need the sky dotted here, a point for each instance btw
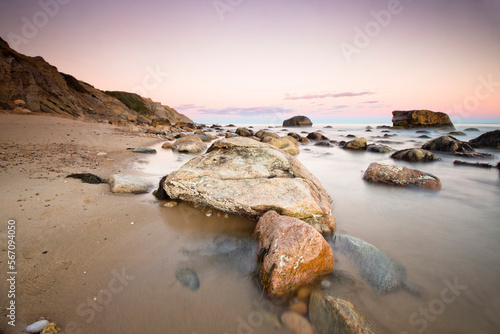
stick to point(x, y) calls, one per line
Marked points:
point(262, 61)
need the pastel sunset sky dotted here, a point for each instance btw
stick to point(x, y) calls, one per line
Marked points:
point(262, 61)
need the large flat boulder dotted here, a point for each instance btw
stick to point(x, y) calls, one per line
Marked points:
point(246, 177)
point(410, 119)
point(488, 139)
point(297, 121)
point(400, 176)
point(292, 253)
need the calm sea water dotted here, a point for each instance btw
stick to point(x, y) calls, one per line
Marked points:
point(445, 238)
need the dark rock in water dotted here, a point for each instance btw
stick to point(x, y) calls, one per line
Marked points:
point(244, 132)
point(488, 139)
point(324, 143)
point(330, 315)
point(145, 150)
point(350, 136)
point(400, 176)
point(422, 131)
point(382, 272)
point(316, 136)
point(378, 148)
point(447, 144)
point(297, 121)
point(328, 127)
point(294, 135)
point(424, 136)
point(383, 127)
point(475, 155)
point(472, 130)
point(160, 193)
point(456, 133)
point(87, 178)
point(409, 119)
point(188, 278)
point(415, 155)
point(356, 144)
point(477, 164)
point(368, 128)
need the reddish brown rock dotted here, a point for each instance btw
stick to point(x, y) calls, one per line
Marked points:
point(410, 119)
point(400, 176)
point(293, 253)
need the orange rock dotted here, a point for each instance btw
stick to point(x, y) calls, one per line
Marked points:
point(293, 253)
point(296, 323)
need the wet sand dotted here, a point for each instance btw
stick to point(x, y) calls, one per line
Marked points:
point(68, 233)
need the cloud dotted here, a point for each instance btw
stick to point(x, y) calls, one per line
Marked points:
point(187, 106)
point(370, 102)
point(235, 111)
point(325, 95)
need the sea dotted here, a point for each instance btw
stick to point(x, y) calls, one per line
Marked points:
point(448, 241)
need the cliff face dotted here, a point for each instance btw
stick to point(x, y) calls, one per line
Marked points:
point(410, 119)
point(44, 89)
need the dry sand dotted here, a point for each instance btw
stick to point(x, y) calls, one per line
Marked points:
point(65, 229)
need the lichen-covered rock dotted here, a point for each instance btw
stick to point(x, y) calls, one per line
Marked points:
point(488, 139)
point(415, 155)
point(410, 119)
point(379, 148)
point(400, 176)
point(292, 253)
point(242, 176)
point(447, 144)
point(331, 315)
point(297, 121)
point(189, 144)
point(356, 144)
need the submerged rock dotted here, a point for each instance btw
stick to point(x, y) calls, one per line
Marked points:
point(297, 121)
point(296, 323)
point(477, 164)
point(488, 139)
point(447, 144)
point(188, 278)
point(242, 176)
point(410, 119)
point(124, 183)
point(379, 148)
point(383, 273)
point(292, 253)
point(400, 176)
point(145, 150)
point(415, 155)
point(356, 144)
point(331, 315)
point(190, 144)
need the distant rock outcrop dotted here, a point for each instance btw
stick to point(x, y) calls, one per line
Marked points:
point(297, 121)
point(410, 119)
point(43, 88)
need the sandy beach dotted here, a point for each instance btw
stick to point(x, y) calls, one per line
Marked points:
point(65, 229)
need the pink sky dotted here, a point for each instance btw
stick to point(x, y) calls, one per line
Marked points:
point(258, 61)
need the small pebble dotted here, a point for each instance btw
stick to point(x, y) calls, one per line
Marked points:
point(325, 283)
